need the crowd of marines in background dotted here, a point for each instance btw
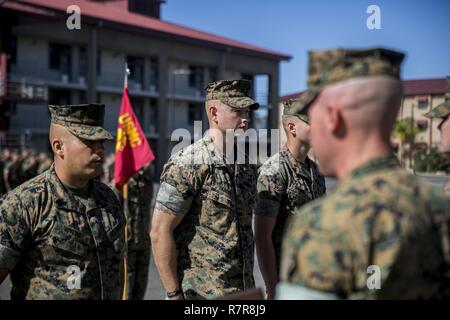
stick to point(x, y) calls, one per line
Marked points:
point(20, 165)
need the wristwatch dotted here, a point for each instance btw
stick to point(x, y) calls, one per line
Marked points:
point(172, 294)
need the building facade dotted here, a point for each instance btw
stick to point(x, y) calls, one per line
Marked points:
point(44, 62)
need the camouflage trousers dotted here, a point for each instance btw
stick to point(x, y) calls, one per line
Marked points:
point(137, 272)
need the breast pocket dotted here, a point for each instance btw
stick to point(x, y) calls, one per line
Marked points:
point(218, 212)
point(116, 237)
point(69, 242)
point(298, 195)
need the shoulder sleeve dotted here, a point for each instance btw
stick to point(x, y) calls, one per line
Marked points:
point(180, 183)
point(270, 187)
point(14, 231)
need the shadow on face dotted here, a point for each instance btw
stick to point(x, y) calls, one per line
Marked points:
point(225, 118)
point(79, 157)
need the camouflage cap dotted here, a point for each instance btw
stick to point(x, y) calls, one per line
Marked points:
point(296, 108)
point(233, 93)
point(83, 120)
point(331, 66)
point(443, 109)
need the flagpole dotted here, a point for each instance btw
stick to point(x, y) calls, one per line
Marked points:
point(127, 73)
point(126, 214)
point(125, 257)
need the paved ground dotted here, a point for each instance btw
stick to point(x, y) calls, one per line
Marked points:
point(155, 290)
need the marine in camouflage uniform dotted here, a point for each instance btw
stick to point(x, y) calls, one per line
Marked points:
point(29, 166)
point(12, 172)
point(57, 242)
point(380, 221)
point(284, 184)
point(442, 112)
point(140, 193)
point(214, 241)
point(44, 163)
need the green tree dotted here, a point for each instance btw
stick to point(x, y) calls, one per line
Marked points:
point(431, 161)
point(405, 131)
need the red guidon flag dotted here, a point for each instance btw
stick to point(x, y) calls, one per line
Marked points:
point(132, 149)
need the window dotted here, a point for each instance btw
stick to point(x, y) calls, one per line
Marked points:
point(212, 74)
point(154, 74)
point(84, 62)
point(138, 108)
point(246, 76)
point(12, 50)
point(195, 113)
point(249, 77)
point(423, 102)
point(83, 97)
point(59, 97)
point(153, 117)
point(136, 66)
point(422, 124)
point(260, 92)
point(196, 80)
point(60, 58)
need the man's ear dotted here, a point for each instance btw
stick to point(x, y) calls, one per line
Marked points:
point(292, 129)
point(212, 109)
point(58, 147)
point(335, 121)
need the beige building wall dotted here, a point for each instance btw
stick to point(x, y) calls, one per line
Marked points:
point(415, 107)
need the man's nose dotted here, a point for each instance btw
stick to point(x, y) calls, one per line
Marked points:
point(99, 147)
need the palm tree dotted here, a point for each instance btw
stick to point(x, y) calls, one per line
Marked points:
point(405, 131)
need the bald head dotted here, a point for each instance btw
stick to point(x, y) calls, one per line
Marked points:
point(367, 104)
point(351, 122)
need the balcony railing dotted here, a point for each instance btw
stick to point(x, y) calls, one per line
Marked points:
point(38, 72)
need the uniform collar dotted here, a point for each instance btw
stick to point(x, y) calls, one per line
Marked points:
point(295, 163)
point(215, 155)
point(64, 199)
point(377, 164)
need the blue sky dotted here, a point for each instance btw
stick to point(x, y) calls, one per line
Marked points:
point(421, 29)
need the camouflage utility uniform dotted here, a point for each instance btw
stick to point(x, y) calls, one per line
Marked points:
point(140, 193)
point(378, 216)
point(60, 243)
point(283, 185)
point(382, 234)
point(214, 240)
